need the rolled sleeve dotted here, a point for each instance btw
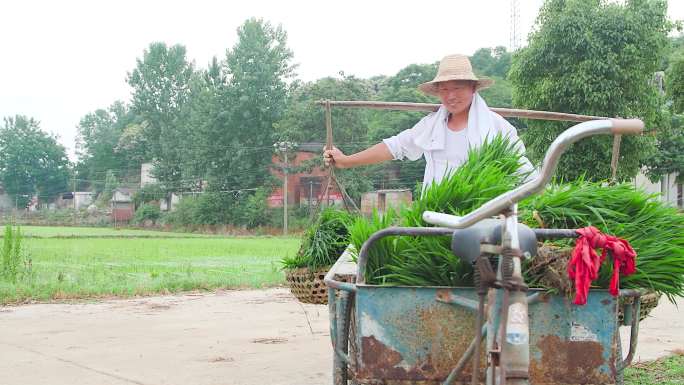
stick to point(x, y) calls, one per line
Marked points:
point(403, 146)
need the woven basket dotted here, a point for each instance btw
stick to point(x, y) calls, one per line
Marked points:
point(648, 302)
point(307, 285)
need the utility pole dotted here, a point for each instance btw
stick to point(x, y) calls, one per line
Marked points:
point(515, 26)
point(283, 149)
point(285, 195)
point(310, 194)
point(73, 196)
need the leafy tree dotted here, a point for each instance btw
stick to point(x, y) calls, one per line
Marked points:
point(110, 184)
point(99, 133)
point(230, 114)
point(492, 62)
point(148, 193)
point(412, 75)
point(669, 158)
point(592, 57)
point(161, 87)
point(500, 94)
point(32, 162)
point(133, 144)
point(208, 119)
point(675, 82)
point(238, 134)
point(495, 64)
point(304, 119)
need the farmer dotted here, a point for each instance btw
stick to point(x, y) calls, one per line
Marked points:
point(443, 137)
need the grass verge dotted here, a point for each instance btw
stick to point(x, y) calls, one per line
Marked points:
point(59, 267)
point(665, 371)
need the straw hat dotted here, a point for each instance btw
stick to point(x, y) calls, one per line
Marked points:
point(454, 67)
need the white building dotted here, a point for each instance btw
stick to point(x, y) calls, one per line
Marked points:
point(146, 174)
point(670, 192)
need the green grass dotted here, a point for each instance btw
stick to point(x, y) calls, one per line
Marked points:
point(63, 268)
point(665, 371)
point(95, 232)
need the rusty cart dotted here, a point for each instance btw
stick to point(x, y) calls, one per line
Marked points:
point(429, 335)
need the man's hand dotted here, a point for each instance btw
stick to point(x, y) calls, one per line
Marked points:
point(335, 157)
point(376, 154)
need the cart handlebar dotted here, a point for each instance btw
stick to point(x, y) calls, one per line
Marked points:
point(627, 126)
point(557, 148)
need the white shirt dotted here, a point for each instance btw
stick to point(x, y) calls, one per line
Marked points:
point(455, 151)
point(429, 138)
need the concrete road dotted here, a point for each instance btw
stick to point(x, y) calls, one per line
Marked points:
point(228, 337)
point(661, 334)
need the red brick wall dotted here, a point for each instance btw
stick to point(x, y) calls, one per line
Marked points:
point(122, 212)
point(296, 191)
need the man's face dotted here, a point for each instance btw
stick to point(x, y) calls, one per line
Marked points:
point(456, 95)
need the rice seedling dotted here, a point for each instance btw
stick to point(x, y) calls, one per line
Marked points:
point(323, 242)
point(489, 171)
point(654, 230)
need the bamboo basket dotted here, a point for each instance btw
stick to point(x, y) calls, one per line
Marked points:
point(308, 286)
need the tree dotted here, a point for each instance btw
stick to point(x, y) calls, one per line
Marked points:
point(412, 75)
point(161, 88)
point(669, 157)
point(239, 130)
point(31, 161)
point(133, 144)
point(675, 82)
point(592, 57)
point(304, 119)
point(97, 145)
point(492, 62)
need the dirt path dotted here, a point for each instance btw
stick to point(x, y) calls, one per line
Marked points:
point(229, 337)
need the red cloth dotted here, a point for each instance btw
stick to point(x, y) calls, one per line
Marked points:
point(585, 263)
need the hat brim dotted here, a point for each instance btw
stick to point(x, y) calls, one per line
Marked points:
point(430, 87)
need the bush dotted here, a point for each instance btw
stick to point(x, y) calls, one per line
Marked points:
point(147, 212)
point(184, 213)
point(254, 210)
point(298, 218)
point(219, 208)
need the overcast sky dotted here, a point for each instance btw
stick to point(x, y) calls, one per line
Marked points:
point(63, 59)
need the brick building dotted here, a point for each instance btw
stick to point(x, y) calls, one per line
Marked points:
point(304, 188)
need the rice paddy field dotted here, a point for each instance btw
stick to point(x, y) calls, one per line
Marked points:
point(71, 262)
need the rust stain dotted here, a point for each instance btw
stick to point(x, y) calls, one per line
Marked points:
point(379, 361)
point(435, 337)
point(443, 294)
point(569, 362)
point(606, 302)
